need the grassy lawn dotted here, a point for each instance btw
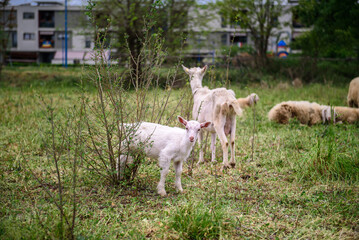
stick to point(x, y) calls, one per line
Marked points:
point(302, 182)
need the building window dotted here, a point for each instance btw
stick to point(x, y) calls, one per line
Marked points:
point(12, 43)
point(61, 36)
point(13, 39)
point(223, 20)
point(239, 40)
point(46, 39)
point(224, 39)
point(46, 19)
point(88, 42)
point(29, 36)
point(28, 15)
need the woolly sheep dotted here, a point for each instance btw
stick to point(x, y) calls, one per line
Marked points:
point(346, 115)
point(306, 112)
point(353, 93)
point(249, 101)
point(165, 144)
point(218, 106)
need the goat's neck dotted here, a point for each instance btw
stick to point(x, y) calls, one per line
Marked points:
point(196, 83)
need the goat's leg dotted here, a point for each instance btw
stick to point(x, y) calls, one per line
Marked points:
point(213, 146)
point(232, 142)
point(178, 170)
point(224, 142)
point(200, 140)
point(165, 165)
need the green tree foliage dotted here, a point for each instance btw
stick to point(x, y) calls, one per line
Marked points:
point(130, 22)
point(258, 16)
point(335, 31)
point(6, 20)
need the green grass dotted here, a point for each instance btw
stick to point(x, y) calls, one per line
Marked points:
point(301, 184)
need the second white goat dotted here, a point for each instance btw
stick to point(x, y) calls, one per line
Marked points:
point(165, 144)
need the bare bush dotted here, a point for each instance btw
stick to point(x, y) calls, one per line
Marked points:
point(125, 96)
point(58, 172)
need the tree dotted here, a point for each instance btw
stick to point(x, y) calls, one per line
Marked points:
point(131, 21)
point(260, 17)
point(335, 31)
point(6, 21)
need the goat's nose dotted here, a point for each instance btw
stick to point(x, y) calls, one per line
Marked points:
point(191, 138)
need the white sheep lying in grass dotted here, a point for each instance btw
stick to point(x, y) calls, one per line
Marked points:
point(353, 93)
point(342, 114)
point(306, 112)
point(165, 144)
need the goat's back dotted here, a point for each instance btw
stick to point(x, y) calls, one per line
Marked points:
point(152, 137)
point(207, 101)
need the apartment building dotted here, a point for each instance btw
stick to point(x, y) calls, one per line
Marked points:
point(38, 33)
point(219, 33)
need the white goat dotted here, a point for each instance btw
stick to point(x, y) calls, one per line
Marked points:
point(218, 106)
point(165, 144)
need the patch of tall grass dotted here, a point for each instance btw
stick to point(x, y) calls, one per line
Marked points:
point(197, 221)
point(329, 158)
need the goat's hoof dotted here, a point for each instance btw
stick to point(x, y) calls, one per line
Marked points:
point(233, 164)
point(180, 190)
point(162, 193)
point(224, 167)
point(200, 162)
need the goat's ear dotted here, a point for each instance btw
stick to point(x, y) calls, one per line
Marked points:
point(205, 124)
point(204, 69)
point(185, 69)
point(182, 120)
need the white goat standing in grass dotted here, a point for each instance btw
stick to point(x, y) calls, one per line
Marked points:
point(220, 107)
point(165, 144)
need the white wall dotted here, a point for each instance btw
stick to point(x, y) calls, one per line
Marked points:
point(27, 26)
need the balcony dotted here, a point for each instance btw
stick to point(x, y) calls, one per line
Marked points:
point(46, 39)
point(46, 19)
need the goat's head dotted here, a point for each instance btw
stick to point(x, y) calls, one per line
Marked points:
point(192, 128)
point(195, 73)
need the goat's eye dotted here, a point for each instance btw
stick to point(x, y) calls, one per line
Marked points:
point(199, 129)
